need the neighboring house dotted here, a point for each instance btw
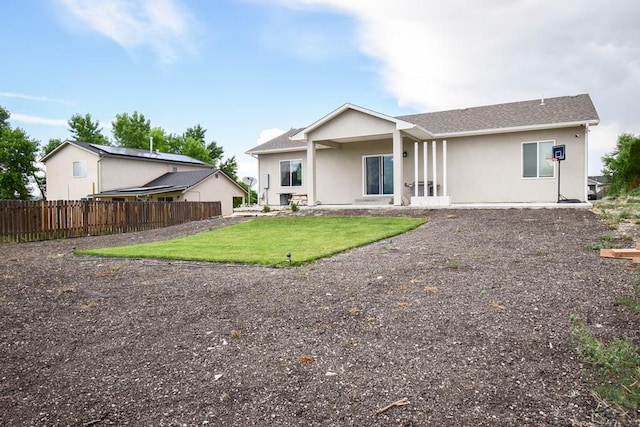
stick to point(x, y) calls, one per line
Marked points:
point(491, 154)
point(79, 170)
point(598, 185)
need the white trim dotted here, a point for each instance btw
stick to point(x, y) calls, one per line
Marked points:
point(522, 143)
point(513, 129)
point(434, 167)
point(425, 168)
point(364, 175)
point(290, 173)
point(586, 163)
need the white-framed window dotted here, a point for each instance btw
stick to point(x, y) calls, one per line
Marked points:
point(378, 174)
point(291, 173)
point(535, 159)
point(80, 169)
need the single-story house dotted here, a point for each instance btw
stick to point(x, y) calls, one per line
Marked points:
point(490, 154)
point(79, 170)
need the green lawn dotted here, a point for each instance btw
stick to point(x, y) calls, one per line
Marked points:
point(267, 240)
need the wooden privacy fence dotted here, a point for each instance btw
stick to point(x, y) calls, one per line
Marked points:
point(24, 221)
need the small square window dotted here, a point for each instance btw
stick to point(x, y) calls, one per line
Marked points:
point(80, 169)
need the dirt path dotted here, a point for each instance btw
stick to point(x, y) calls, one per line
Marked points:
point(467, 317)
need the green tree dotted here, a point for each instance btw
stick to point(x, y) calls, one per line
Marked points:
point(195, 149)
point(17, 160)
point(84, 129)
point(50, 146)
point(215, 152)
point(230, 168)
point(622, 166)
point(40, 177)
point(174, 143)
point(159, 140)
point(196, 132)
point(132, 131)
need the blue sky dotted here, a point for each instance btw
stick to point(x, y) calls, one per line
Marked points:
point(248, 69)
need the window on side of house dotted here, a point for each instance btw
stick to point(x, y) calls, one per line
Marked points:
point(378, 175)
point(165, 199)
point(80, 169)
point(291, 173)
point(535, 163)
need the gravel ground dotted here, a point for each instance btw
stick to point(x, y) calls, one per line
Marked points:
point(467, 317)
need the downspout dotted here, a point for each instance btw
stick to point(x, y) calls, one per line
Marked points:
point(99, 175)
point(586, 162)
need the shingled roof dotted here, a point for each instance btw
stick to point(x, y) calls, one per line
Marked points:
point(282, 142)
point(177, 179)
point(524, 115)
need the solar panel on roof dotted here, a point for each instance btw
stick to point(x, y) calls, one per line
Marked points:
point(133, 152)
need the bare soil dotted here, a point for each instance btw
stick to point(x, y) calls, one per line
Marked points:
point(467, 317)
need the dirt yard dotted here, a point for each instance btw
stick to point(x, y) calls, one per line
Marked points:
point(467, 317)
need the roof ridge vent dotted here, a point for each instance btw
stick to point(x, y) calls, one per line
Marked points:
point(542, 100)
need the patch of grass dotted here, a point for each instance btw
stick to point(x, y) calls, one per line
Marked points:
point(624, 214)
point(452, 263)
point(605, 242)
point(614, 367)
point(267, 240)
point(632, 301)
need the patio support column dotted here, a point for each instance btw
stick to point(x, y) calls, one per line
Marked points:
point(435, 168)
point(311, 173)
point(425, 167)
point(397, 168)
point(416, 166)
point(444, 168)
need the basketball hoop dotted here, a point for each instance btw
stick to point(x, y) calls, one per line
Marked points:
point(552, 160)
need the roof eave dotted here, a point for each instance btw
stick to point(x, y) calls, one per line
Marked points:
point(276, 150)
point(592, 122)
point(64, 143)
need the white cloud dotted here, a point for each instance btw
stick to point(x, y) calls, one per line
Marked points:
point(161, 25)
point(269, 134)
point(34, 120)
point(34, 98)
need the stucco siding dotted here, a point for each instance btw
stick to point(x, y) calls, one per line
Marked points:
point(215, 189)
point(61, 184)
point(489, 168)
point(351, 124)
